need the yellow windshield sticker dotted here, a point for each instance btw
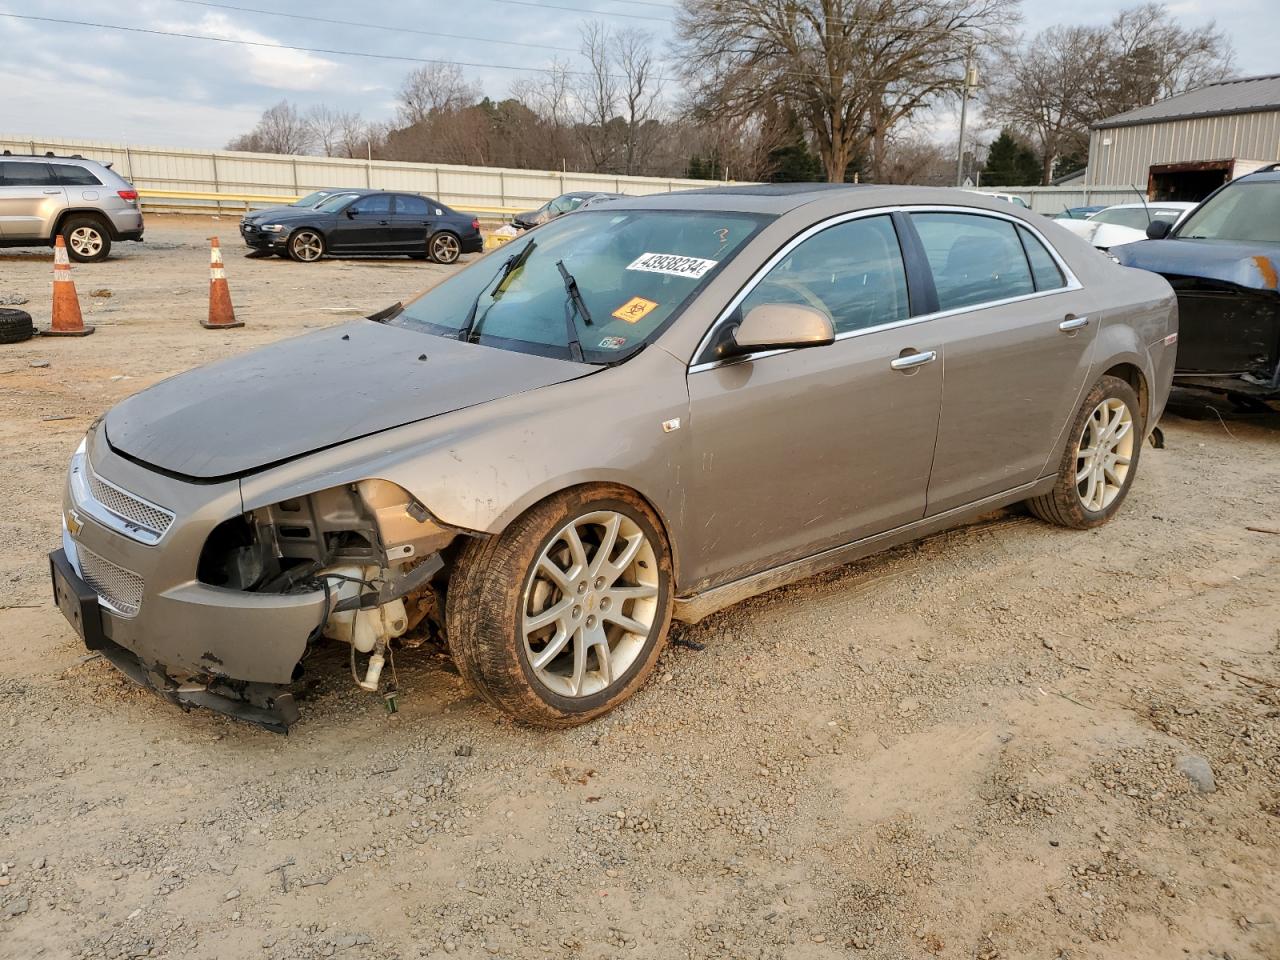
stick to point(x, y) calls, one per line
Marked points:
point(635, 310)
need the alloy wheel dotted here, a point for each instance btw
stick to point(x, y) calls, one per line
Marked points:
point(445, 248)
point(85, 242)
point(1104, 454)
point(307, 246)
point(590, 603)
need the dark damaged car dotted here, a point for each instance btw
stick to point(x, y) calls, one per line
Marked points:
point(1223, 261)
point(641, 412)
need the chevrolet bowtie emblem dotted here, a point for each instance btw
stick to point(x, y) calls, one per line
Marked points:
point(74, 523)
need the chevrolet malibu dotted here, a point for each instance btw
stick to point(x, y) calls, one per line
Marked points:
point(643, 412)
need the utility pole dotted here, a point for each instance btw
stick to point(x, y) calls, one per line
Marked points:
point(970, 82)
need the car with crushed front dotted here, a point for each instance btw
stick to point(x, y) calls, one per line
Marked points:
point(638, 413)
point(1223, 261)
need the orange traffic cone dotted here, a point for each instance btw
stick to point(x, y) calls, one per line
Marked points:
point(67, 321)
point(221, 314)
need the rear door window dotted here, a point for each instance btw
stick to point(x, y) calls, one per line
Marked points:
point(852, 271)
point(1044, 269)
point(974, 259)
point(14, 174)
point(70, 176)
point(409, 206)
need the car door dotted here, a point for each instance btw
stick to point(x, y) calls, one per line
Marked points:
point(410, 223)
point(364, 226)
point(30, 199)
point(1017, 330)
point(801, 450)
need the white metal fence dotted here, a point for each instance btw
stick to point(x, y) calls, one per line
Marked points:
point(1051, 200)
point(270, 175)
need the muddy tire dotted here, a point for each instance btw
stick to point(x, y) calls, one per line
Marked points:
point(1100, 459)
point(557, 575)
point(88, 239)
point(15, 326)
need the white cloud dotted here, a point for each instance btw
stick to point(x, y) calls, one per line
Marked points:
point(279, 68)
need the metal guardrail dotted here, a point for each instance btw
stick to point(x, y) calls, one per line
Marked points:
point(199, 201)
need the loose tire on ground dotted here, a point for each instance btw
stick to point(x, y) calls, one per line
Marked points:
point(489, 594)
point(15, 326)
point(87, 238)
point(1065, 504)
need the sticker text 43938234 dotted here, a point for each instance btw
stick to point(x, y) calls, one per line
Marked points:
point(672, 264)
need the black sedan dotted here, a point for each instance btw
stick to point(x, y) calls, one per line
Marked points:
point(365, 222)
point(1223, 261)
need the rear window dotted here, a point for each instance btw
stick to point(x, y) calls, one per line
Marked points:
point(16, 174)
point(70, 176)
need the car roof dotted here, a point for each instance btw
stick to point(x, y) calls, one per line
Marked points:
point(1165, 204)
point(780, 198)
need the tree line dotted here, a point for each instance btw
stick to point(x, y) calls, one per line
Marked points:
point(785, 90)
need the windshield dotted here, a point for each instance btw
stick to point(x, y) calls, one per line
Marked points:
point(634, 269)
point(311, 199)
point(1135, 217)
point(1242, 211)
point(336, 202)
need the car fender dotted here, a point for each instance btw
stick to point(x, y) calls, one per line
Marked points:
point(478, 468)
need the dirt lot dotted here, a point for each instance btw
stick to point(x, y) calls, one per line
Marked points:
point(1009, 741)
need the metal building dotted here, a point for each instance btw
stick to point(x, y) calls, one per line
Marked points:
point(1184, 147)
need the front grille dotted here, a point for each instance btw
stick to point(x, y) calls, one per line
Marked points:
point(119, 588)
point(128, 507)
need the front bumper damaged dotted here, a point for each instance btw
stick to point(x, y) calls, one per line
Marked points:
point(268, 705)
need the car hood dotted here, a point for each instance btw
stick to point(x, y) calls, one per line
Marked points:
point(316, 391)
point(1252, 265)
point(266, 213)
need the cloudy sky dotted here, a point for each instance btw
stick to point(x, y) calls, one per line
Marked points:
point(61, 80)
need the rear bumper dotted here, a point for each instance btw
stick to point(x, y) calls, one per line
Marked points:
point(473, 244)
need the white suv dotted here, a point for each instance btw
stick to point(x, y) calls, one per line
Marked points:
point(84, 201)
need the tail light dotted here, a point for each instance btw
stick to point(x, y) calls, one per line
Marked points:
point(128, 194)
point(475, 224)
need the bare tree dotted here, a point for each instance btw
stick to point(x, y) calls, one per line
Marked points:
point(1045, 89)
point(850, 69)
point(597, 96)
point(640, 96)
point(434, 88)
point(282, 129)
point(325, 125)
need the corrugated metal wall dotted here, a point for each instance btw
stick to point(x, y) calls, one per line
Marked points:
point(1124, 154)
point(164, 168)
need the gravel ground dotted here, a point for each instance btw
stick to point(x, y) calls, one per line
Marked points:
point(1007, 741)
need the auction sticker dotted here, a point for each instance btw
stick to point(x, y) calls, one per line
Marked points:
point(635, 310)
point(612, 343)
point(672, 265)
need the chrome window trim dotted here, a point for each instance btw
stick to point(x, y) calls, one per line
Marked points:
point(1072, 282)
point(82, 496)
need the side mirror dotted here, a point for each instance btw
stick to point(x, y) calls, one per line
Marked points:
point(351, 214)
point(1158, 229)
point(780, 326)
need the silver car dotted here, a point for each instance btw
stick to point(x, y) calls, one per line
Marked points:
point(645, 412)
point(89, 205)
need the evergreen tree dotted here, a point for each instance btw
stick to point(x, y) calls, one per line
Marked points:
point(1010, 162)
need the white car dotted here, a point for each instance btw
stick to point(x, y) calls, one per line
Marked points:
point(1125, 222)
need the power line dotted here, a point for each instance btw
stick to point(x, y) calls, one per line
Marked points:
point(282, 46)
point(598, 13)
point(371, 26)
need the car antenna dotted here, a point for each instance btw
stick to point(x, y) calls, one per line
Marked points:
point(1143, 197)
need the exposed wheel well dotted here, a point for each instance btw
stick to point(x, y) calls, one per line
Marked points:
point(1131, 375)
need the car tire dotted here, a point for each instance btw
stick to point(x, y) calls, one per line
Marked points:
point(444, 247)
point(306, 245)
point(87, 238)
point(16, 326)
point(502, 588)
point(1089, 490)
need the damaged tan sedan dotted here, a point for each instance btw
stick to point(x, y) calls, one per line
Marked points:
point(646, 411)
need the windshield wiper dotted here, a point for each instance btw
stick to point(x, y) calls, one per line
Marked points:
point(509, 266)
point(575, 303)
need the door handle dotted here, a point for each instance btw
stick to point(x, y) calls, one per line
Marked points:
point(52, 191)
point(1072, 324)
point(912, 360)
